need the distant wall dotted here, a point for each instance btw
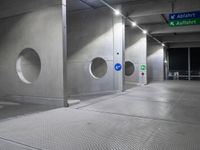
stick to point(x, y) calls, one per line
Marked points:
point(155, 61)
point(136, 52)
point(40, 30)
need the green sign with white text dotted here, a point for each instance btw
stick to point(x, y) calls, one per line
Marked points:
point(187, 22)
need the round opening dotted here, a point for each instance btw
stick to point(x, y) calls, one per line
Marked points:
point(129, 68)
point(98, 68)
point(28, 65)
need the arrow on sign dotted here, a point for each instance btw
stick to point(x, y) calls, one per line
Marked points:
point(118, 67)
point(172, 24)
point(173, 16)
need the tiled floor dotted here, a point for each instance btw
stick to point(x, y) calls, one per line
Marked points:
point(159, 116)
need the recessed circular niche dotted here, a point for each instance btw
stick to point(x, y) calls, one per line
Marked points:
point(98, 68)
point(129, 68)
point(28, 65)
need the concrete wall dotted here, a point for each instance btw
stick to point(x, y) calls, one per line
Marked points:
point(40, 30)
point(136, 52)
point(91, 35)
point(155, 61)
point(9, 8)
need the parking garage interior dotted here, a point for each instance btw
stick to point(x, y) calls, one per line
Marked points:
point(99, 75)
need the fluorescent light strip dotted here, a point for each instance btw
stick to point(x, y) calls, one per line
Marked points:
point(133, 23)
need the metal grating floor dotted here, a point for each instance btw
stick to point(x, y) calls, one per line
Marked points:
point(10, 109)
point(160, 116)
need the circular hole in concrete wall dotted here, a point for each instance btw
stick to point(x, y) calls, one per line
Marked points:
point(129, 68)
point(98, 68)
point(28, 65)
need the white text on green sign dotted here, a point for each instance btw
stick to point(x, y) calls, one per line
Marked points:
point(187, 22)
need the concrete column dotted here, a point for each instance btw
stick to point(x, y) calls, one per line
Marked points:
point(143, 62)
point(64, 18)
point(189, 65)
point(119, 47)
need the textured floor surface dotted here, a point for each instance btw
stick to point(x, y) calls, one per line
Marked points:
point(159, 116)
point(14, 109)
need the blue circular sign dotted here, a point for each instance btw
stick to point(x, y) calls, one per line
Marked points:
point(118, 67)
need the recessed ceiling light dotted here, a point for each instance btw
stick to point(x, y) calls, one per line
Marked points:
point(134, 24)
point(145, 31)
point(117, 12)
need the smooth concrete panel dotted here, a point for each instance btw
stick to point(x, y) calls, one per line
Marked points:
point(90, 35)
point(136, 47)
point(84, 83)
point(42, 31)
point(155, 60)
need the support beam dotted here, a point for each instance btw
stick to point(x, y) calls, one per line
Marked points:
point(183, 45)
point(180, 38)
point(189, 65)
point(165, 19)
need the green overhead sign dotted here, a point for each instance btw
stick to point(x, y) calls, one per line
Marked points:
point(188, 22)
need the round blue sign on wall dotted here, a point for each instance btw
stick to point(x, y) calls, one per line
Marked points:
point(118, 67)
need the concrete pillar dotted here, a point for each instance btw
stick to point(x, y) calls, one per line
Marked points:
point(166, 63)
point(119, 47)
point(143, 63)
point(155, 61)
point(64, 18)
point(189, 65)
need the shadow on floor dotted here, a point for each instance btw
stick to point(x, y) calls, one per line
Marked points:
point(129, 85)
point(10, 109)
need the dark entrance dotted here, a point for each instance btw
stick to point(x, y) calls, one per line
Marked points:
point(183, 63)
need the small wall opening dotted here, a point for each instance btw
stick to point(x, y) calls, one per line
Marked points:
point(129, 68)
point(28, 65)
point(98, 68)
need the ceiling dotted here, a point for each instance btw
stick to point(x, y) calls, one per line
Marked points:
point(10, 8)
point(142, 11)
point(152, 15)
point(74, 5)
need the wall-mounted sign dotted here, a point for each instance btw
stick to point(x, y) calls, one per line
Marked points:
point(118, 67)
point(143, 67)
point(184, 19)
